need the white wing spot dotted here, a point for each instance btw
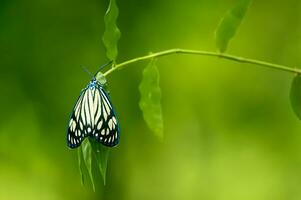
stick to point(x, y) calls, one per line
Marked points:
point(102, 132)
point(81, 125)
point(72, 125)
point(114, 120)
point(111, 124)
point(99, 125)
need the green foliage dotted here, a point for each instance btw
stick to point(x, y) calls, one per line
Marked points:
point(230, 23)
point(112, 33)
point(150, 99)
point(87, 159)
point(100, 154)
point(92, 153)
point(295, 95)
point(81, 164)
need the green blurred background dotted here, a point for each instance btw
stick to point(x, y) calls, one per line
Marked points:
point(229, 130)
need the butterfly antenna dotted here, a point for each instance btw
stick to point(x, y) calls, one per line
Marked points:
point(103, 66)
point(88, 71)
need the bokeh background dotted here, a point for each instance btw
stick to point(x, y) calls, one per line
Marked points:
point(230, 132)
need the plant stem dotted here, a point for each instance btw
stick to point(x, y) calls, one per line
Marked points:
point(204, 53)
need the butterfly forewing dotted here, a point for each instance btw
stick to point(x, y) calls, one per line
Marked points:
point(75, 131)
point(106, 129)
point(93, 115)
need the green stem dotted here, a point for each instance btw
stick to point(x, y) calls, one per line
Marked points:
point(204, 53)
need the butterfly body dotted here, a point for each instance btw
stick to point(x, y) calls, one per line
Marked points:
point(93, 116)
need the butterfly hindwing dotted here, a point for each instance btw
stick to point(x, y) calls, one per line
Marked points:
point(93, 115)
point(106, 129)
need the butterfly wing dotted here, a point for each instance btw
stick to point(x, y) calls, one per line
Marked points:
point(106, 126)
point(76, 127)
point(93, 115)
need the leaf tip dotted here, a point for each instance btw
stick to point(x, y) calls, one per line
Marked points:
point(229, 24)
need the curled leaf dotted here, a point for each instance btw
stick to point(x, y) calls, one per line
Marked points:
point(150, 99)
point(230, 23)
point(87, 158)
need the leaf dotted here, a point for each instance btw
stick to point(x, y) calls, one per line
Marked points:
point(87, 157)
point(81, 165)
point(295, 95)
point(101, 155)
point(89, 154)
point(150, 99)
point(230, 23)
point(112, 33)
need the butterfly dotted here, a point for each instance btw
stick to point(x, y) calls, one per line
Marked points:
point(93, 116)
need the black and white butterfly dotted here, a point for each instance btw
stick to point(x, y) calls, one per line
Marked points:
point(93, 116)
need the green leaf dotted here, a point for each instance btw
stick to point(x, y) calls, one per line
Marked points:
point(87, 157)
point(81, 165)
point(295, 95)
point(101, 155)
point(230, 23)
point(112, 33)
point(92, 156)
point(150, 99)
